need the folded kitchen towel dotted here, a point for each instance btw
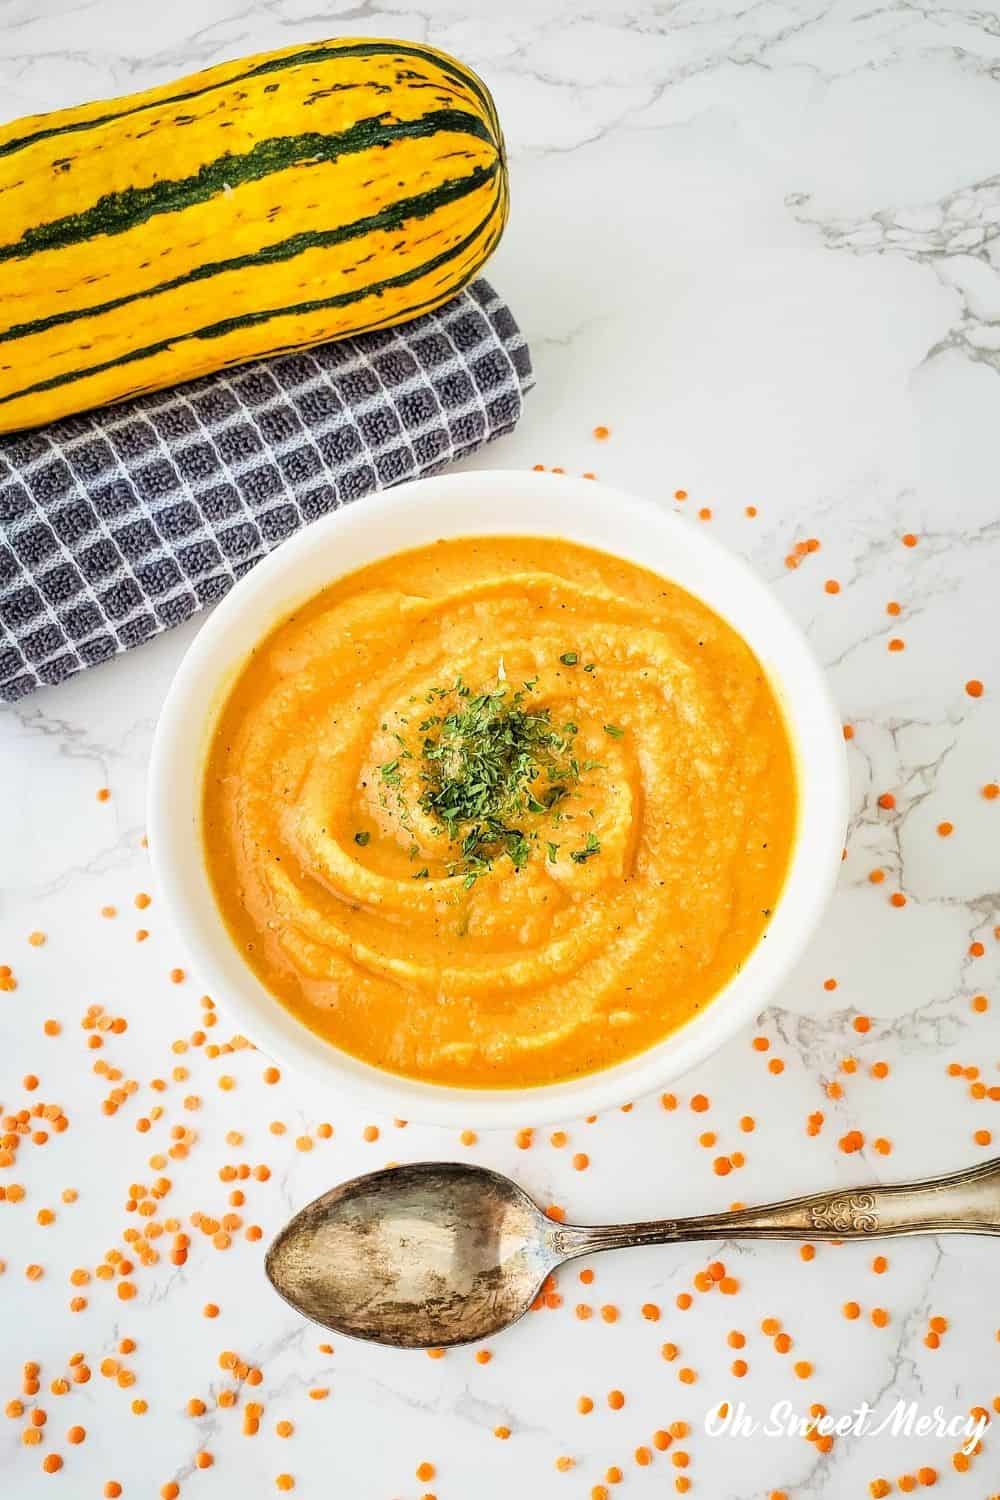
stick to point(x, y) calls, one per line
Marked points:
point(122, 522)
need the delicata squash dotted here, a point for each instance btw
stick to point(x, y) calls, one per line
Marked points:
point(262, 205)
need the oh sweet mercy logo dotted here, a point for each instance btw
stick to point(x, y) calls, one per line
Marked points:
point(904, 1419)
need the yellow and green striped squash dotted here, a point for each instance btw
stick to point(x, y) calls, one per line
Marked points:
point(260, 206)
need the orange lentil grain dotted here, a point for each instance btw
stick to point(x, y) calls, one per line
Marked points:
point(584, 1405)
point(974, 687)
point(616, 1400)
point(879, 1317)
point(601, 432)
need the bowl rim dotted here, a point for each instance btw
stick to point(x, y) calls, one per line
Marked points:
point(374, 526)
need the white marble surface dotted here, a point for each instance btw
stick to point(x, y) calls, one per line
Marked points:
point(760, 243)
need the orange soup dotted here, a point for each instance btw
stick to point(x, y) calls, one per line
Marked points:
point(499, 811)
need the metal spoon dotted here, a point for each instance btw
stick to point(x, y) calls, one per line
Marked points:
point(442, 1253)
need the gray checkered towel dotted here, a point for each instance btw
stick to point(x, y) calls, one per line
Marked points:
point(123, 522)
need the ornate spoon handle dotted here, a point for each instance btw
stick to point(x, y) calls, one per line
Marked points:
point(966, 1201)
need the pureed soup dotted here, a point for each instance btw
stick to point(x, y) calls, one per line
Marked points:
point(499, 811)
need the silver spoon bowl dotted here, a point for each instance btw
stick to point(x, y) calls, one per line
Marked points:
point(440, 1253)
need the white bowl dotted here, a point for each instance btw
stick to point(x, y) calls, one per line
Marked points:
point(479, 504)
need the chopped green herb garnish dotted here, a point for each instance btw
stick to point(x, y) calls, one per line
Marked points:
point(362, 839)
point(553, 852)
point(590, 848)
point(569, 658)
point(422, 874)
point(614, 731)
point(487, 764)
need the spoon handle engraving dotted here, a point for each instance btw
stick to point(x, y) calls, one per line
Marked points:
point(967, 1201)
